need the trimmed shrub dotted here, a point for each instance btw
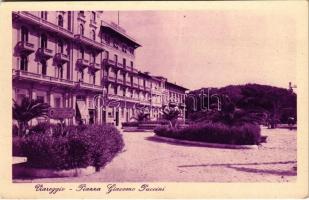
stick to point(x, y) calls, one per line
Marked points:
point(130, 124)
point(79, 147)
point(246, 134)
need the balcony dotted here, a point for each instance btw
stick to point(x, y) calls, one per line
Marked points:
point(82, 63)
point(111, 79)
point(81, 16)
point(128, 83)
point(120, 81)
point(25, 48)
point(147, 88)
point(135, 85)
point(93, 23)
point(109, 62)
point(120, 65)
point(89, 42)
point(62, 58)
point(134, 70)
point(94, 66)
point(19, 74)
point(89, 86)
point(45, 53)
point(42, 23)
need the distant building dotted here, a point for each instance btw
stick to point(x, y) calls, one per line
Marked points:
point(75, 59)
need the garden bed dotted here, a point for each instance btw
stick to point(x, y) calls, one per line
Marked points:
point(245, 134)
point(76, 150)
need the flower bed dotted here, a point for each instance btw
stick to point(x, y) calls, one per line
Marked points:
point(246, 134)
point(79, 147)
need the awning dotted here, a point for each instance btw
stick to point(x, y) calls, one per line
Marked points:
point(82, 109)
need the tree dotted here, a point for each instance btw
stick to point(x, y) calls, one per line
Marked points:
point(171, 114)
point(26, 111)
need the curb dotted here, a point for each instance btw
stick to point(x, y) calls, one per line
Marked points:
point(24, 171)
point(205, 144)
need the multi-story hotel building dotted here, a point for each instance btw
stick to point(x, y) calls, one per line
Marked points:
point(75, 59)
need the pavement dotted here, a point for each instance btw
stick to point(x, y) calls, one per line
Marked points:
point(146, 159)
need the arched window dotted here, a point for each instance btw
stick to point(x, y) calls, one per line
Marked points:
point(24, 34)
point(81, 29)
point(93, 34)
point(43, 41)
point(60, 20)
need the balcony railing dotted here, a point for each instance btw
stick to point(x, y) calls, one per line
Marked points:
point(45, 53)
point(95, 66)
point(89, 42)
point(135, 85)
point(62, 58)
point(119, 65)
point(41, 78)
point(82, 63)
point(25, 47)
point(120, 81)
point(109, 62)
point(93, 23)
point(128, 83)
point(90, 86)
point(29, 17)
point(112, 79)
point(134, 70)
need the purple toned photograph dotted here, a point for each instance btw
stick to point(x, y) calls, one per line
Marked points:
point(153, 96)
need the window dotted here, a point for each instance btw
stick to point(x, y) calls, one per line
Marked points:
point(81, 14)
point(93, 16)
point(82, 53)
point(60, 71)
point(69, 20)
point(20, 98)
point(124, 48)
point(124, 62)
point(43, 41)
point(60, 20)
point(116, 58)
point(115, 43)
point(93, 78)
point(24, 34)
point(93, 57)
point(115, 90)
point(93, 34)
point(40, 99)
point(24, 63)
point(44, 15)
point(81, 75)
point(44, 67)
point(131, 64)
point(60, 46)
point(57, 102)
point(81, 29)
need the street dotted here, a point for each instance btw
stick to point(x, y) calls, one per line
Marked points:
point(145, 159)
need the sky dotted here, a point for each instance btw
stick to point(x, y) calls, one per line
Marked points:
point(214, 48)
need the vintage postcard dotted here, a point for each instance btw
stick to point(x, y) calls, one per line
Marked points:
point(154, 100)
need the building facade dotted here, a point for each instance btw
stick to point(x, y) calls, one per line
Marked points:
point(74, 59)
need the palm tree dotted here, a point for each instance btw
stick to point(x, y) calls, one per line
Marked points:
point(27, 110)
point(171, 114)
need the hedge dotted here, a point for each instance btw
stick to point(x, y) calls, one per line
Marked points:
point(92, 145)
point(246, 134)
